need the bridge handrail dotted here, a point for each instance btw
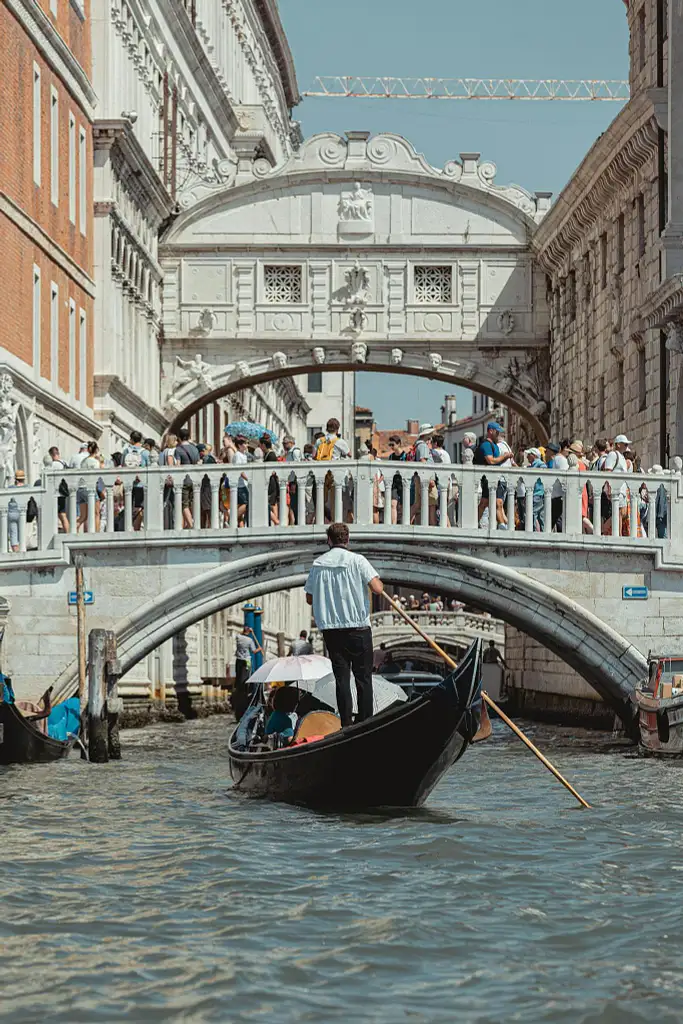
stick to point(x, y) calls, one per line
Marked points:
point(280, 496)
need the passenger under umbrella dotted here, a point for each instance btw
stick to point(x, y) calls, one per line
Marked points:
point(283, 718)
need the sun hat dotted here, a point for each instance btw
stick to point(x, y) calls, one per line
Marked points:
point(492, 425)
point(622, 439)
point(20, 475)
point(576, 447)
point(552, 447)
point(425, 428)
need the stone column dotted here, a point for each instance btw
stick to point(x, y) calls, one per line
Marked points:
point(672, 237)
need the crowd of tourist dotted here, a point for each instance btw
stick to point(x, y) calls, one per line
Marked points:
point(604, 455)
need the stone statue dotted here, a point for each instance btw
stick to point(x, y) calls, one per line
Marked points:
point(357, 285)
point(359, 352)
point(674, 336)
point(469, 371)
point(356, 205)
point(242, 369)
point(8, 429)
point(318, 354)
point(358, 320)
point(279, 360)
point(196, 372)
point(435, 361)
point(206, 321)
point(396, 356)
point(506, 322)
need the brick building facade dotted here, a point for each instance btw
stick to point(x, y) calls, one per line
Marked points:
point(46, 227)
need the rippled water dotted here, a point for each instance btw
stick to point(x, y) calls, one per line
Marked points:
point(146, 891)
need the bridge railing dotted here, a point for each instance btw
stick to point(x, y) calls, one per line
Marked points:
point(445, 620)
point(281, 496)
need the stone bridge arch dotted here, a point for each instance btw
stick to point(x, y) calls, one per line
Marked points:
point(607, 660)
point(355, 254)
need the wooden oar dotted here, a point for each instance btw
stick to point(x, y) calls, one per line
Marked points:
point(515, 728)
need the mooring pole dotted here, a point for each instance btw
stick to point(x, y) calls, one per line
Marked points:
point(114, 702)
point(80, 627)
point(98, 750)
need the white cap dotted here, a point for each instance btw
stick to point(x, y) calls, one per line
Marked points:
point(425, 428)
point(622, 439)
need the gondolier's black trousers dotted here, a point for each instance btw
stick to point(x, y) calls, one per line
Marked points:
point(351, 649)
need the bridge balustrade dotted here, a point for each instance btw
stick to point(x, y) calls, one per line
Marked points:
point(470, 501)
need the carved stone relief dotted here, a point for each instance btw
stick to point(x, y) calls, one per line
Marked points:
point(8, 429)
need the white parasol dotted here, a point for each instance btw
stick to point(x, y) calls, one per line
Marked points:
point(384, 693)
point(298, 668)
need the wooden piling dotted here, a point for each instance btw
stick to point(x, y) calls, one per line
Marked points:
point(114, 702)
point(80, 628)
point(97, 713)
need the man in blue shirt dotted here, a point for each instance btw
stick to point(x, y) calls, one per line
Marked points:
point(488, 454)
point(337, 588)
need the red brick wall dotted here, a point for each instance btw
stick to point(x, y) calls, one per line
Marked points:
point(74, 31)
point(18, 250)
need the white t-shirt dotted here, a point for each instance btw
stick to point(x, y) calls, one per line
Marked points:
point(240, 459)
point(338, 583)
point(341, 447)
point(616, 463)
point(441, 455)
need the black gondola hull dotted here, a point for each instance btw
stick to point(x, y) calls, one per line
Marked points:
point(22, 743)
point(393, 759)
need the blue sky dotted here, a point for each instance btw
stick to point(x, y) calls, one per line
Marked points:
point(536, 145)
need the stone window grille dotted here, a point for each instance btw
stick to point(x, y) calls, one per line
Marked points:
point(282, 284)
point(434, 285)
point(571, 296)
point(620, 391)
point(642, 378)
point(601, 403)
point(641, 38)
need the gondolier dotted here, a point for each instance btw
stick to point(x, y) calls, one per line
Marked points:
point(337, 588)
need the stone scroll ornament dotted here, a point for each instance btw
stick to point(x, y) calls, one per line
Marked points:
point(8, 429)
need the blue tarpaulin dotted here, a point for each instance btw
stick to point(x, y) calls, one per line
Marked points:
point(64, 720)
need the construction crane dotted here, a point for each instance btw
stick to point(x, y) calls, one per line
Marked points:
point(470, 88)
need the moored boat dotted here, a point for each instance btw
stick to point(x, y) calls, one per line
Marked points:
point(393, 759)
point(660, 708)
point(24, 735)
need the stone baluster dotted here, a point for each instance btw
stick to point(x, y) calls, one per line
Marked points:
point(284, 508)
point(547, 506)
point(652, 513)
point(510, 503)
point(90, 525)
point(215, 501)
point(196, 501)
point(572, 523)
point(443, 503)
point(616, 518)
point(320, 498)
point(234, 500)
point(364, 487)
point(338, 496)
point(128, 504)
point(424, 499)
point(72, 504)
point(301, 481)
point(597, 508)
point(4, 533)
point(109, 502)
point(406, 481)
point(469, 499)
point(493, 484)
point(153, 519)
point(258, 495)
point(388, 485)
point(48, 520)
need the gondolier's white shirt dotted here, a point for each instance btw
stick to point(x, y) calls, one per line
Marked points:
point(338, 583)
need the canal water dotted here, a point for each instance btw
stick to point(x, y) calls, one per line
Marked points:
point(147, 891)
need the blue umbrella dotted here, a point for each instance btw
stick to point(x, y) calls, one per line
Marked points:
point(252, 431)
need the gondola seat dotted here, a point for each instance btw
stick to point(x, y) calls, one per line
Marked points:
point(318, 724)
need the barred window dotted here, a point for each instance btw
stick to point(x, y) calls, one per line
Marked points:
point(433, 285)
point(282, 284)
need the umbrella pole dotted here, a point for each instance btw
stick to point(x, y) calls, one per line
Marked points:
point(515, 728)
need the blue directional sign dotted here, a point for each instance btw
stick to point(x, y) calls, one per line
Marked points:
point(88, 597)
point(634, 593)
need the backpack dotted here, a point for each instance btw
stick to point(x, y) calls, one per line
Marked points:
point(325, 449)
point(132, 458)
point(479, 458)
point(410, 454)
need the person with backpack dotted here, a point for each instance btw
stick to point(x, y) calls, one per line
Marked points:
point(331, 447)
point(266, 447)
point(187, 454)
point(397, 455)
point(489, 454)
point(135, 456)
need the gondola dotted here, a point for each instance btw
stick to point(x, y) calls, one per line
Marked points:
point(21, 742)
point(393, 759)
